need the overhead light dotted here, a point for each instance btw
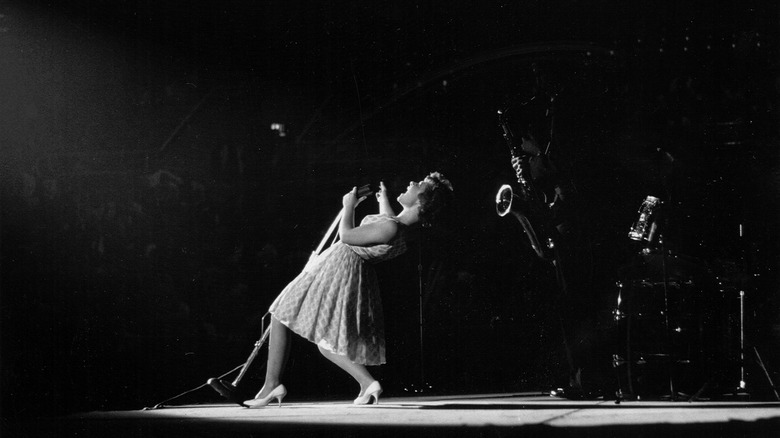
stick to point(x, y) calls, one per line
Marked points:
point(279, 128)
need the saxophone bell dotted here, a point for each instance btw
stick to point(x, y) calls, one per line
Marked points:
point(504, 199)
point(506, 203)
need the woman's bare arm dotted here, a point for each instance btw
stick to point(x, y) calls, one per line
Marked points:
point(364, 235)
point(384, 203)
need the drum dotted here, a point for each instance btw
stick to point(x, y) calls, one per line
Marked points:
point(663, 325)
point(659, 320)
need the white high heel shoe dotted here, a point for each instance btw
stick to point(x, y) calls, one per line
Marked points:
point(278, 393)
point(373, 390)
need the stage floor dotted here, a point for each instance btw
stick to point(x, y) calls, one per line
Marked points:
point(473, 415)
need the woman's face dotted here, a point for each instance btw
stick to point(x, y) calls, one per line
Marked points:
point(413, 191)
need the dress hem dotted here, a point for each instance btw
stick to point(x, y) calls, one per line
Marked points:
point(324, 344)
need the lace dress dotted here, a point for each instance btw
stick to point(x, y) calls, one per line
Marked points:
point(335, 301)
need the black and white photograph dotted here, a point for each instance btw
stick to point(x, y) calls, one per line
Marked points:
point(340, 218)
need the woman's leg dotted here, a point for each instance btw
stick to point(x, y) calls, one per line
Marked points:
point(278, 351)
point(357, 371)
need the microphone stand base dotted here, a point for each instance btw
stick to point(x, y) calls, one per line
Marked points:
point(225, 389)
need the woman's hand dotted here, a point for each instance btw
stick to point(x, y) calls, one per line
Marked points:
point(381, 199)
point(381, 195)
point(350, 199)
point(364, 235)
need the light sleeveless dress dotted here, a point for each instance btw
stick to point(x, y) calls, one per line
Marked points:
point(335, 301)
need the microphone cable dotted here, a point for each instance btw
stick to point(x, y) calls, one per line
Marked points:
point(162, 403)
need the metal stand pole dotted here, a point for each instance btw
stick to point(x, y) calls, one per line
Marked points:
point(671, 357)
point(742, 383)
point(227, 389)
point(421, 320)
point(421, 385)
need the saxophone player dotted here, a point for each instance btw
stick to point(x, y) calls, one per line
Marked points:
point(549, 215)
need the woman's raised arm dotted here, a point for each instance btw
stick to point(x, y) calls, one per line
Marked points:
point(364, 235)
point(384, 203)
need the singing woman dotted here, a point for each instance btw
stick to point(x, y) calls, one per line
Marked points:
point(335, 303)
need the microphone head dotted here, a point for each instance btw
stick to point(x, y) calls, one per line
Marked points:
point(365, 190)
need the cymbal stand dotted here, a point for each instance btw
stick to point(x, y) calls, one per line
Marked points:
point(742, 383)
point(665, 283)
point(766, 374)
point(741, 390)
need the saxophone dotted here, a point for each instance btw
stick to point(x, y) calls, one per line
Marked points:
point(524, 204)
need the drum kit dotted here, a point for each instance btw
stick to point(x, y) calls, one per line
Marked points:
point(677, 331)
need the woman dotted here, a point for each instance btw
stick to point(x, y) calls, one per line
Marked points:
point(335, 301)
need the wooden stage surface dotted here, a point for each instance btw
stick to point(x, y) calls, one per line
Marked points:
point(522, 414)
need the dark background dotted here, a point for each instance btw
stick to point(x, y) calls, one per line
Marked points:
point(150, 214)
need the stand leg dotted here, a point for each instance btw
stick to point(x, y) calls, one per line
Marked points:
point(766, 373)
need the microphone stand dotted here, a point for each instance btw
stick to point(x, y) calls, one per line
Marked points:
point(422, 385)
point(421, 320)
point(229, 389)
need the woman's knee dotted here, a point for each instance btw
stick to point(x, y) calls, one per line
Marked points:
point(323, 351)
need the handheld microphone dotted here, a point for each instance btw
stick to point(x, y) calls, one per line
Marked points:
point(365, 190)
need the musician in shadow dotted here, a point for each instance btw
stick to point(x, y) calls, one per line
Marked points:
point(335, 302)
point(551, 206)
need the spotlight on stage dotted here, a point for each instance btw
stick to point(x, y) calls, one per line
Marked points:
point(279, 128)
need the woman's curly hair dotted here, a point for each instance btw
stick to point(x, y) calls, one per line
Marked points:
point(434, 200)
